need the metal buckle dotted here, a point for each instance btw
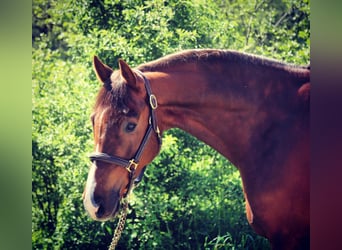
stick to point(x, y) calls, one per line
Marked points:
point(132, 163)
point(153, 101)
point(159, 136)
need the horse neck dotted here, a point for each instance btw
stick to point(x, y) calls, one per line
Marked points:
point(223, 108)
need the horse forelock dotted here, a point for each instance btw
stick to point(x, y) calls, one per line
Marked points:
point(115, 98)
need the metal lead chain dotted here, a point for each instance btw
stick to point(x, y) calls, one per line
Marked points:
point(120, 226)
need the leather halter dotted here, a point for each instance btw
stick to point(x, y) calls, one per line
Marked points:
point(132, 164)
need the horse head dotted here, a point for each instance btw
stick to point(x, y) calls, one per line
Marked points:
point(126, 137)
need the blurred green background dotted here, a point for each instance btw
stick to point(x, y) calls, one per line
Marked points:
point(190, 197)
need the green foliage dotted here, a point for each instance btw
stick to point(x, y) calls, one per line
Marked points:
point(191, 197)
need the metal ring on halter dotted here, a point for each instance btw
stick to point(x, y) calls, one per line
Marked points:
point(153, 101)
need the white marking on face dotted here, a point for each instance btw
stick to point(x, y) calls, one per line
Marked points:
point(101, 126)
point(103, 122)
point(88, 201)
point(102, 114)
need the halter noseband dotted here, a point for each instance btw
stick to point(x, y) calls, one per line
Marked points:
point(132, 164)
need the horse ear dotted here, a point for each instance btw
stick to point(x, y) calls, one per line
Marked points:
point(103, 72)
point(128, 75)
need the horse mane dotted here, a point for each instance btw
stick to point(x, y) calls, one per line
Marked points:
point(215, 55)
point(199, 56)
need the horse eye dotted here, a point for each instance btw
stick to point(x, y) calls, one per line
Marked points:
point(130, 127)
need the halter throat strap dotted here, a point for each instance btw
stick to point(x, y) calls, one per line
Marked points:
point(132, 164)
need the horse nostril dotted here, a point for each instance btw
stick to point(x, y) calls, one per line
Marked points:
point(98, 203)
point(96, 200)
point(100, 212)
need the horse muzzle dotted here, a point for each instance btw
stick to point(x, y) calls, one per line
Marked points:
point(101, 206)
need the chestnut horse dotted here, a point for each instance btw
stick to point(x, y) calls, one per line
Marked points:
point(252, 110)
